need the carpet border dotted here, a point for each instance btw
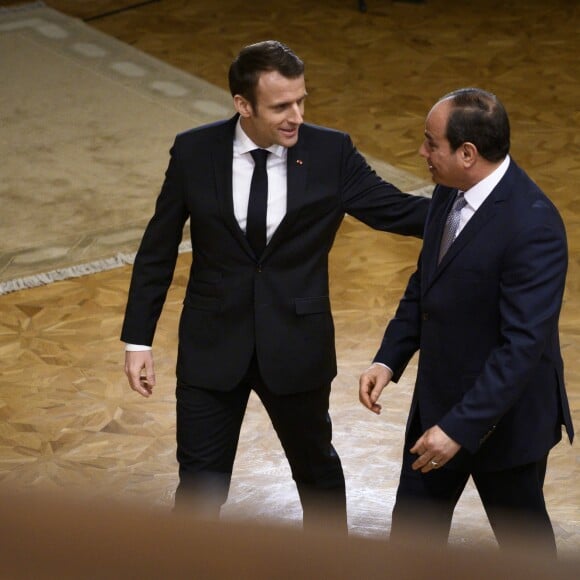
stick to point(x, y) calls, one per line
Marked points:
point(75, 271)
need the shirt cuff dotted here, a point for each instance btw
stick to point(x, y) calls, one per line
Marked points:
point(376, 362)
point(136, 347)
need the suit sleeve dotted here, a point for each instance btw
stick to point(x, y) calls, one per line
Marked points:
point(403, 333)
point(531, 289)
point(402, 336)
point(156, 258)
point(377, 203)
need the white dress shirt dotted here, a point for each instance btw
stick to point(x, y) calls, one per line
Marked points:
point(242, 170)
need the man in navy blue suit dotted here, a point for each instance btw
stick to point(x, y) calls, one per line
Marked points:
point(256, 314)
point(482, 309)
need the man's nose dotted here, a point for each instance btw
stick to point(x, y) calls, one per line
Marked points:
point(297, 115)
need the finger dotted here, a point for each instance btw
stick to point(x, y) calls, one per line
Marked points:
point(145, 388)
point(363, 397)
point(150, 372)
point(374, 407)
point(421, 463)
point(365, 388)
point(431, 465)
point(434, 463)
point(366, 401)
point(426, 463)
point(140, 385)
point(134, 379)
point(418, 448)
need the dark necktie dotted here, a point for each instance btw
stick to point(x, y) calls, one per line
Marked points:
point(451, 225)
point(258, 203)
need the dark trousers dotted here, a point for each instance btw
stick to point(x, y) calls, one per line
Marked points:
point(513, 500)
point(208, 429)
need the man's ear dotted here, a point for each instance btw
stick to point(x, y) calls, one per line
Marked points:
point(469, 153)
point(243, 106)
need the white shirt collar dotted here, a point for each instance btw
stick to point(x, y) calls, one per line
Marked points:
point(243, 144)
point(477, 194)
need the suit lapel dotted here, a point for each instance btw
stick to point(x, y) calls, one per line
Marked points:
point(222, 161)
point(480, 218)
point(485, 212)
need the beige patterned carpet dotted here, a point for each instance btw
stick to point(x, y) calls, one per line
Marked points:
point(86, 125)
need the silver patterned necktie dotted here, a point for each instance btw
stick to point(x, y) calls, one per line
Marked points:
point(451, 224)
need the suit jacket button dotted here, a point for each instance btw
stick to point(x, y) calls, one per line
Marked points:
point(425, 316)
point(258, 267)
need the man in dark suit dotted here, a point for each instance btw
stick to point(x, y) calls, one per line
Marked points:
point(482, 309)
point(256, 312)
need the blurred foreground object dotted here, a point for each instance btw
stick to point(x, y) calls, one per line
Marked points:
point(49, 536)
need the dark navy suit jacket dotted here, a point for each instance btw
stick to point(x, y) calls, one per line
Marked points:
point(485, 321)
point(235, 304)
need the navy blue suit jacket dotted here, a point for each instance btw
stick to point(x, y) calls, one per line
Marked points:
point(278, 305)
point(485, 321)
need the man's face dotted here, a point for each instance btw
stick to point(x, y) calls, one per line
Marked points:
point(444, 164)
point(278, 113)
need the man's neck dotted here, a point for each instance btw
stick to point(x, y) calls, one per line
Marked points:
point(480, 171)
